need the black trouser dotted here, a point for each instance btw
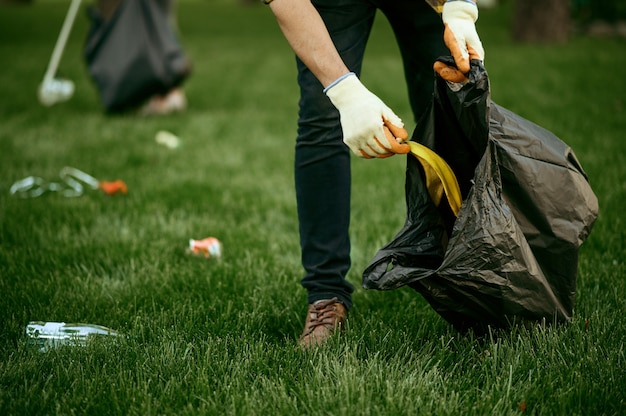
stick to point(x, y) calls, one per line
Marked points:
point(322, 162)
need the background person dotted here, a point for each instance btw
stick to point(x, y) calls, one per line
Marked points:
point(134, 56)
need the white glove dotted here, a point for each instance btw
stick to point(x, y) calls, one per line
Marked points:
point(460, 35)
point(362, 116)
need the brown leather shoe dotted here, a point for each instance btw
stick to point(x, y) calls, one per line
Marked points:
point(323, 318)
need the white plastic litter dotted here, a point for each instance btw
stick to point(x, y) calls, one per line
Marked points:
point(167, 139)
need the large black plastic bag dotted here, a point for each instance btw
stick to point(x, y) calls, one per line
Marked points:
point(511, 255)
point(135, 54)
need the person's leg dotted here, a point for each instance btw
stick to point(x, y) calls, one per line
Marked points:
point(175, 99)
point(322, 162)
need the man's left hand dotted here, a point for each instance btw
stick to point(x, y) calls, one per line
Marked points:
point(460, 34)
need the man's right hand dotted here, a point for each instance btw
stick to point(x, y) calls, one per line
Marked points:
point(363, 119)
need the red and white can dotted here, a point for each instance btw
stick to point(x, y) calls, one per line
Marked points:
point(207, 247)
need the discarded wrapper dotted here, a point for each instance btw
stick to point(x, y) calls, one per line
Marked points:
point(167, 139)
point(207, 247)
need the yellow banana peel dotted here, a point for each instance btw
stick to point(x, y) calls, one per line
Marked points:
point(440, 179)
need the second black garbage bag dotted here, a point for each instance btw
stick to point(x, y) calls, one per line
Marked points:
point(511, 254)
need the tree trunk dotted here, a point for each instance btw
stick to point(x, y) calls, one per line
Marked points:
point(541, 21)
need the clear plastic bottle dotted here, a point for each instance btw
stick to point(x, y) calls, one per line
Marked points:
point(48, 335)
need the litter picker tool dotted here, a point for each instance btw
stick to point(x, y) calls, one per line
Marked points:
point(54, 90)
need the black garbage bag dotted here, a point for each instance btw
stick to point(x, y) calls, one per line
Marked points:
point(134, 55)
point(511, 254)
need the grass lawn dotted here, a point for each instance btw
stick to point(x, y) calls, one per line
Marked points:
point(218, 337)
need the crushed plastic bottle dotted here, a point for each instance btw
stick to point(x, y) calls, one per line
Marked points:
point(73, 183)
point(48, 335)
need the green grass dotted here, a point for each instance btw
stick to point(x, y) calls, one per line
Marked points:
point(218, 337)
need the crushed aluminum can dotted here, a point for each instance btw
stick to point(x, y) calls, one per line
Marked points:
point(46, 335)
point(207, 247)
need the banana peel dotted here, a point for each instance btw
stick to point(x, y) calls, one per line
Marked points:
point(440, 179)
